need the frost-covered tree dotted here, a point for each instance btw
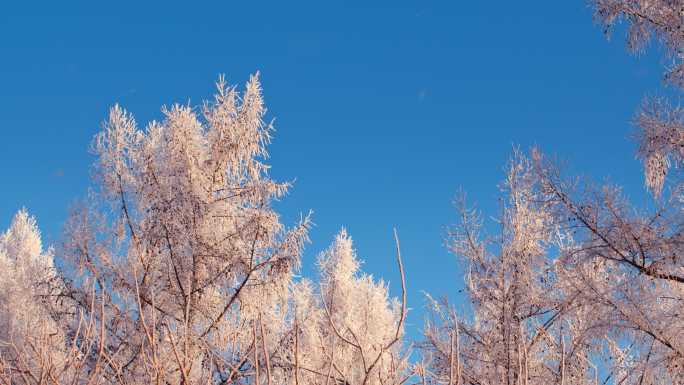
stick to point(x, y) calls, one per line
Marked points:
point(661, 133)
point(605, 278)
point(177, 270)
point(629, 261)
point(348, 329)
point(626, 265)
point(188, 265)
point(524, 327)
point(647, 20)
point(32, 345)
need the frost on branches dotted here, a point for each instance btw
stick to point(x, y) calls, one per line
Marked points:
point(177, 270)
point(350, 329)
point(189, 264)
point(522, 329)
point(627, 267)
point(31, 342)
point(579, 286)
point(661, 128)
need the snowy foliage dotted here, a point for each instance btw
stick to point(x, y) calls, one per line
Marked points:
point(177, 270)
point(30, 340)
point(185, 252)
point(579, 286)
point(521, 321)
point(661, 127)
point(349, 325)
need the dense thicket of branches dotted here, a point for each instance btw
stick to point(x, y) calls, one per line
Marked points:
point(579, 286)
point(177, 270)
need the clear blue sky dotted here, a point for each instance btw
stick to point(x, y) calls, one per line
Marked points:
point(382, 112)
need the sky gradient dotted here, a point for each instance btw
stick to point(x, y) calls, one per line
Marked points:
point(381, 112)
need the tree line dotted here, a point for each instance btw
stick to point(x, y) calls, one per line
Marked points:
point(176, 269)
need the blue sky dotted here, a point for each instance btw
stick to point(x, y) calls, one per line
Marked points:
point(383, 109)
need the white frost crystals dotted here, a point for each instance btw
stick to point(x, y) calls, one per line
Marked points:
point(177, 270)
point(26, 273)
point(28, 284)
